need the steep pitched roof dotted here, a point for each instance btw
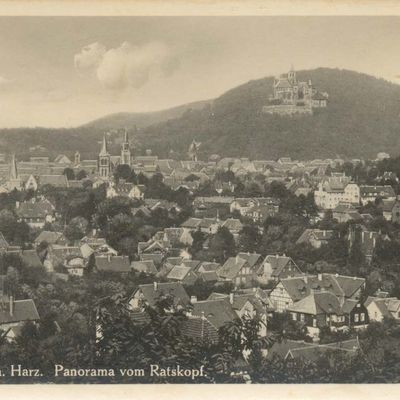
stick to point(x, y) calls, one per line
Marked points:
point(151, 293)
point(318, 303)
point(218, 312)
point(231, 267)
point(53, 180)
point(49, 237)
point(178, 273)
point(233, 224)
point(251, 258)
point(24, 310)
point(147, 266)
point(198, 327)
point(278, 263)
point(30, 258)
point(113, 264)
point(35, 209)
point(3, 242)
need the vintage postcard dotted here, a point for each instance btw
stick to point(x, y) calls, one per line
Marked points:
point(200, 193)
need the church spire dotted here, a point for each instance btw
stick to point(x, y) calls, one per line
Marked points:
point(13, 168)
point(104, 151)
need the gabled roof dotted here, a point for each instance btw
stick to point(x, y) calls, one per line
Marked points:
point(24, 310)
point(113, 264)
point(53, 180)
point(198, 327)
point(218, 312)
point(231, 267)
point(30, 258)
point(318, 303)
point(278, 263)
point(301, 286)
point(383, 191)
point(178, 273)
point(311, 351)
point(233, 224)
point(251, 258)
point(317, 234)
point(146, 267)
point(50, 237)
point(151, 294)
point(3, 241)
point(35, 209)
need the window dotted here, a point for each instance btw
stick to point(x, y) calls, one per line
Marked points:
point(302, 317)
point(294, 316)
point(356, 317)
point(362, 317)
point(314, 323)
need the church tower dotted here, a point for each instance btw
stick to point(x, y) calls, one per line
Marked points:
point(77, 159)
point(292, 76)
point(14, 181)
point(104, 160)
point(126, 151)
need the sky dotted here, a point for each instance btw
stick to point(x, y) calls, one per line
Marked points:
point(66, 71)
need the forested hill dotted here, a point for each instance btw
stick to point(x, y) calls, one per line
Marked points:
point(362, 118)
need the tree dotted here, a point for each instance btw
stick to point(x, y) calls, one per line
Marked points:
point(81, 175)
point(222, 245)
point(69, 173)
point(249, 238)
point(76, 229)
point(123, 171)
point(198, 241)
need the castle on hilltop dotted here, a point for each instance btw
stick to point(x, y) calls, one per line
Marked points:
point(294, 97)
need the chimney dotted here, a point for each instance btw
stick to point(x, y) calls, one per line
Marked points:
point(155, 286)
point(109, 257)
point(94, 231)
point(11, 306)
point(193, 299)
point(231, 298)
point(320, 277)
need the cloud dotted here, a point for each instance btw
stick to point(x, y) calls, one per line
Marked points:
point(4, 81)
point(89, 57)
point(127, 65)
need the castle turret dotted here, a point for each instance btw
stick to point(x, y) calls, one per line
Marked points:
point(104, 162)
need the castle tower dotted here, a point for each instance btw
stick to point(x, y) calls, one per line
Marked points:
point(77, 158)
point(126, 151)
point(14, 181)
point(104, 162)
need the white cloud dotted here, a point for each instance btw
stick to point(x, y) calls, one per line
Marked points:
point(127, 65)
point(4, 81)
point(90, 56)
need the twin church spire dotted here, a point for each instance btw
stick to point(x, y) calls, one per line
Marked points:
point(104, 162)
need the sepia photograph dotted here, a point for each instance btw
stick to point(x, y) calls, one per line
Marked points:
point(209, 199)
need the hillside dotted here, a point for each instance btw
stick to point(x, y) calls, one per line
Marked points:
point(362, 118)
point(142, 120)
